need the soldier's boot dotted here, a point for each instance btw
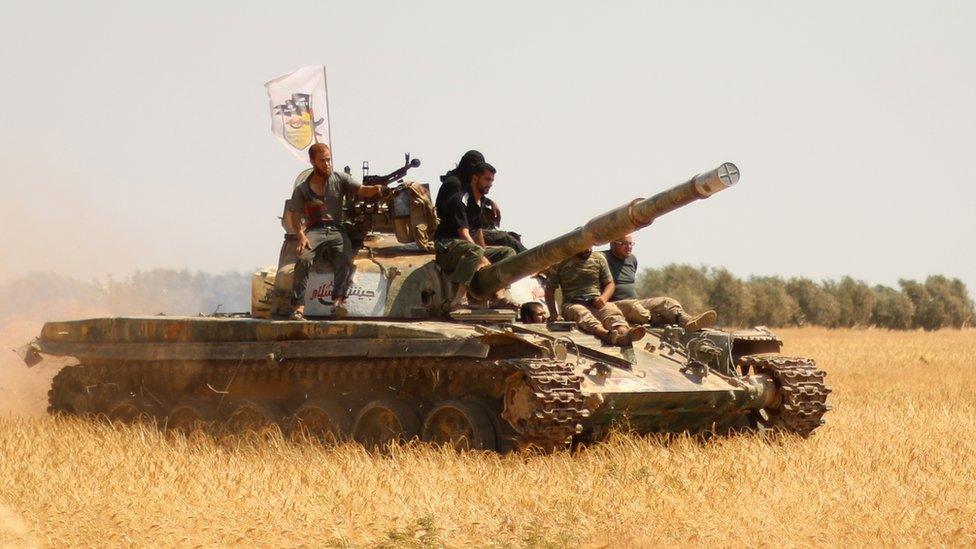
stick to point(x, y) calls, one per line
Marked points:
point(623, 336)
point(697, 322)
point(636, 333)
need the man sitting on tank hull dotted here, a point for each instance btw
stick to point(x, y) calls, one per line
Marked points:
point(459, 245)
point(319, 200)
point(587, 286)
point(655, 311)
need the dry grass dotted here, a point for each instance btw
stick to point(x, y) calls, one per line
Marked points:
point(895, 465)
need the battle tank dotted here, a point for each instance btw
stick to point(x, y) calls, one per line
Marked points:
point(398, 369)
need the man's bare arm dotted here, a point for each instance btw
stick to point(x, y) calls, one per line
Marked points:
point(465, 234)
point(371, 191)
point(605, 296)
point(551, 304)
point(295, 220)
point(479, 238)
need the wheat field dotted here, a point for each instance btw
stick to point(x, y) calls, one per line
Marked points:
point(894, 465)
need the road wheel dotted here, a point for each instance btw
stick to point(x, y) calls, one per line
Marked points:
point(249, 417)
point(187, 418)
point(127, 412)
point(382, 422)
point(765, 420)
point(69, 393)
point(322, 420)
point(461, 424)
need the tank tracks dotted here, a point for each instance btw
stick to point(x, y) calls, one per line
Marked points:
point(550, 414)
point(552, 396)
point(803, 393)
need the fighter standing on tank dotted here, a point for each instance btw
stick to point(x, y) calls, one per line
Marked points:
point(459, 246)
point(587, 286)
point(319, 200)
point(656, 311)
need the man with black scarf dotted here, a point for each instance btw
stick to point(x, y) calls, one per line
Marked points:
point(459, 244)
point(491, 218)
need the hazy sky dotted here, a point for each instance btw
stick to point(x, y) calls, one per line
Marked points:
point(136, 135)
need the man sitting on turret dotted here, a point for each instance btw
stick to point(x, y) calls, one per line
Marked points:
point(459, 245)
point(656, 311)
point(319, 200)
point(490, 220)
point(587, 286)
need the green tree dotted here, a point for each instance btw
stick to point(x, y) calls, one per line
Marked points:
point(855, 299)
point(689, 285)
point(929, 313)
point(730, 297)
point(815, 305)
point(892, 309)
point(941, 302)
point(772, 305)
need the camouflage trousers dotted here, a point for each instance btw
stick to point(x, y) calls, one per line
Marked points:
point(589, 318)
point(497, 237)
point(656, 311)
point(334, 244)
point(460, 258)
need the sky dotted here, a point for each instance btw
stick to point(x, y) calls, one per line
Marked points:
point(136, 135)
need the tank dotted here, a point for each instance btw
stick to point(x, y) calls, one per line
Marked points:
point(398, 369)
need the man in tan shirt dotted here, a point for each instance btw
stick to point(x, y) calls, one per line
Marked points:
point(587, 286)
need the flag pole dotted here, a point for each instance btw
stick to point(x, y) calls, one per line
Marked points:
point(328, 114)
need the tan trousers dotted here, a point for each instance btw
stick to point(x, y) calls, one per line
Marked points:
point(656, 311)
point(588, 319)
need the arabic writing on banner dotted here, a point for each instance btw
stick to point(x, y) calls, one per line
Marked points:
point(299, 106)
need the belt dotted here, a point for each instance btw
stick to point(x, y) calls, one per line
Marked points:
point(582, 301)
point(329, 225)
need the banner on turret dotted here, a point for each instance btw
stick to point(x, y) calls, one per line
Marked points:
point(300, 109)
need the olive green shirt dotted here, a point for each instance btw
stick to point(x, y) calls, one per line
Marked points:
point(580, 279)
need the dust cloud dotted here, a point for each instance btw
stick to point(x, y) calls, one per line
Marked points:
point(27, 302)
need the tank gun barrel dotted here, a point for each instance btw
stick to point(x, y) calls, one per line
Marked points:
point(602, 229)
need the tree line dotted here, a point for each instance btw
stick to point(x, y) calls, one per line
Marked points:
point(938, 302)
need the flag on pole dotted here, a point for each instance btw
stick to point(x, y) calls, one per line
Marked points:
point(300, 109)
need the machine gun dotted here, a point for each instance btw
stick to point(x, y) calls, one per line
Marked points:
point(394, 176)
point(362, 217)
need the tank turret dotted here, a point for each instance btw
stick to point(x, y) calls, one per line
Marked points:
point(602, 229)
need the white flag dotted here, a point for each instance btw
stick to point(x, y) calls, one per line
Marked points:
point(300, 109)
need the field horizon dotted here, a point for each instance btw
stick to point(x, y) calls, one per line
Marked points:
point(893, 466)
